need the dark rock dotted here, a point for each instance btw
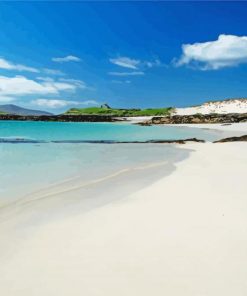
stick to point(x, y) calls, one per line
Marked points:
point(197, 118)
point(30, 141)
point(182, 141)
point(61, 118)
point(233, 139)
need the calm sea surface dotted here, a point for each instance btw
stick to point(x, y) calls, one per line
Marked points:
point(30, 160)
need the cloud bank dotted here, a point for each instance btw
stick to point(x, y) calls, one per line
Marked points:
point(15, 87)
point(226, 51)
point(20, 85)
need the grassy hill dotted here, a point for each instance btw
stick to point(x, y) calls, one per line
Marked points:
point(119, 112)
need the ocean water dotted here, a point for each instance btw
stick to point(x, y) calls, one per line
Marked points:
point(30, 160)
point(67, 131)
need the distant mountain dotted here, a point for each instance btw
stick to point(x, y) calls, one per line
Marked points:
point(13, 109)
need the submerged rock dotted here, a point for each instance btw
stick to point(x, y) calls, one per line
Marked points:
point(179, 141)
point(233, 139)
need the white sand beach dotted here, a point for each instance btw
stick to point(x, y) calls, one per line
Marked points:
point(234, 127)
point(185, 235)
point(123, 148)
point(220, 107)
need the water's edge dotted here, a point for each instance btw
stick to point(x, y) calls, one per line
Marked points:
point(52, 202)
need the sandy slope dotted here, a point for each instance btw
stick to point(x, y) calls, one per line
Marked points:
point(236, 127)
point(220, 107)
point(137, 119)
point(184, 235)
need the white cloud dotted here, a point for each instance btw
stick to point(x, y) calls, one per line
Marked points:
point(52, 103)
point(135, 64)
point(20, 85)
point(76, 82)
point(125, 62)
point(134, 73)
point(49, 79)
point(154, 63)
point(226, 51)
point(7, 65)
point(69, 58)
point(53, 72)
point(4, 64)
point(121, 81)
point(60, 103)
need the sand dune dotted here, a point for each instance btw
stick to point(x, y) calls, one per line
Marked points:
point(220, 107)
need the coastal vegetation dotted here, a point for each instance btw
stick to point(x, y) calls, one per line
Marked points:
point(119, 112)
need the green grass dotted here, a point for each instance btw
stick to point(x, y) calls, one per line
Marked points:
point(1, 112)
point(119, 112)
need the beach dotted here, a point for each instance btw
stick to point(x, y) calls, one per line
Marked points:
point(182, 234)
point(240, 127)
point(123, 139)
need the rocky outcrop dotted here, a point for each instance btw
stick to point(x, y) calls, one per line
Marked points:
point(179, 141)
point(30, 141)
point(197, 118)
point(61, 118)
point(182, 141)
point(233, 139)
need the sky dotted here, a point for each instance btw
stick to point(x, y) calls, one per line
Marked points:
point(59, 55)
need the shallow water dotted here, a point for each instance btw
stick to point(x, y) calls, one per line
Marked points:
point(28, 167)
point(73, 131)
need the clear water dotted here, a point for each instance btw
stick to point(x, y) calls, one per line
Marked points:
point(60, 131)
point(25, 168)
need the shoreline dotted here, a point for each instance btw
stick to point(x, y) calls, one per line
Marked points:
point(119, 159)
point(82, 195)
point(177, 236)
point(66, 157)
point(232, 127)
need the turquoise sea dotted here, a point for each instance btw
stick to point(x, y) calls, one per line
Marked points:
point(34, 155)
point(67, 131)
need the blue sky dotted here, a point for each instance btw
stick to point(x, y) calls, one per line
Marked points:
point(54, 55)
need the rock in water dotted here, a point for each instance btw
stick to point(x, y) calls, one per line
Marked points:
point(233, 139)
